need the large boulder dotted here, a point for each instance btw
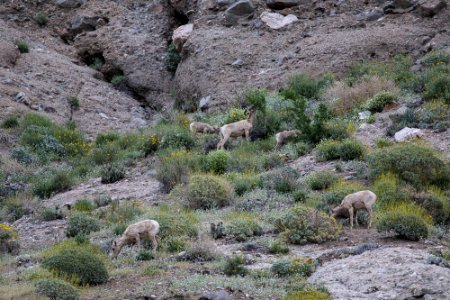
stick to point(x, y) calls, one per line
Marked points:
point(429, 8)
point(407, 134)
point(276, 20)
point(181, 34)
point(282, 4)
point(239, 10)
point(69, 3)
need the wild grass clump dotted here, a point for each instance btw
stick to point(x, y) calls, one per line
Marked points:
point(242, 226)
point(41, 19)
point(308, 294)
point(10, 122)
point(200, 251)
point(347, 149)
point(301, 225)
point(407, 220)
point(435, 57)
point(437, 83)
point(14, 207)
point(262, 200)
point(380, 100)
point(389, 190)
point(235, 265)
point(282, 180)
point(144, 255)
point(173, 169)
point(217, 161)
point(436, 203)
point(175, 137)
point(434, 114)
point(74, 103)
point(50, 214)
point(81, 223)
point(23, 46)
point(122, 212)
point(50, 184)
point(321, 179)
point(278, 247)
point(84, 205)
point(208, 191)
point(111, 173)
point(56, 289)
point(413, 163)
point(243, 183)
point(310, 88)
point(302, 266)
point(337, 129)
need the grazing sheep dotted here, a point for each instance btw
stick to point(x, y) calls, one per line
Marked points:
point(134, 233)
point(353, 202)
point(284, 136)
point(198, 127)
point(237, 129)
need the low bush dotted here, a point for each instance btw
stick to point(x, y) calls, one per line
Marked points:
point(308, 294)
point(50, 214)
point(200, 252)
point(22, 156)
point(234, 115)
point(105, 138)
point(48, 185)
point(281, 180)
point(144, 255)
point(339, 129)
point(84, 205)
point(437, 83)
point(322, 179)
point(118, 79)
point(9, 240)
point(172, 58)
point(74, 103)
point(299, 196)
point(435, 57)
point(13, 208)
point(207, 191)
point(23, 46)
point(413, 163)
point(347, 149)
point(308, 87)
point(278, 247)
point(388, 189)
point(436, 203)
point(256, 98)
point(102, 200)
point(77, 265)
point(10, 122)
point(380, 100)
point(242, 226)
point(174, 244)
point(41, 19)
point(434, 114)
point(262, 200)
point(175, 137)
point(81, 223)
point(235, 265)
point(123, 212)
point(173, 169)
point(302, 266)
point(217, 161)
point(301, 225)
point(408, 221)
point(56, 290)
point(111, 173)
point(243, 183)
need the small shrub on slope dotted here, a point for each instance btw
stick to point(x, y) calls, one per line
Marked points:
point(56, 290)
point(81, 223)
point(234, 265)
point(207, 191)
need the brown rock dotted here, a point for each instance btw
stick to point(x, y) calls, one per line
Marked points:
point(429, 8)
point(181, 34)
point(8, 54)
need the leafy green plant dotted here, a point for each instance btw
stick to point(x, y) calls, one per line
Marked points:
point(322, 179)
point(347, 149)
point(282, 180)
point(302, 266)
point(380, 100)
point(50, 214)
point(242, 227)
point(172, 58)
point(278, 247)
point(145, 255)
point(48, 185)
point(217, 161)
point(234, 265)
point(309, 294)
point(301, 225)
point(22, 156)
point(388, 189)
point(111, 173)
point(173, 169)
point(81, 223)
point(434, 114)
point(408, 221)
point(256, 98)
point(56, 290)
point(207, 191)
point(435, 57)
point(299, 196)
point(437, 83)
point(23, 46)
point(74, 103)
point(78, 265)
point(84, 205)
point(435, 203)
point(243, 183)
point(308, 87)
point(118, 79)
point(10, 122)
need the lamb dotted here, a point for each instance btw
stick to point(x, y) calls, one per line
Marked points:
point(284, 136)
point(237, 129)
point(353, 202)
point(199, 127)
point(134, 233)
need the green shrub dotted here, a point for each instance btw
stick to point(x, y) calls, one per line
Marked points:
point(56, 290)
point(262, 200)
point(243, 183)
point(102, 200)
point(266, 124)
point(388, 190)
point(308, 294)
point(74, 103)
point(217, 161)
point(106, 137)
point(144, 255)
point(174, 137)
point(299, 196)
point(234, 265)
point(234, 115)
point(13, 208)
point(41, 140)
point(256, 98)
point(123, 212)
point(435, 57)
point(111, 173)
point(173, 169)
point(243, 226)
point(81, 266)
point(282, 180)
point(84, 205)
point(278, 247)
point(336, 193)
point(49, 185)
point(308, 87)
point(436, 203)
point(41, 19)
point(119, 229)
point(437, 83)
point(22, 156)
point(339, 129)
point(303, 225)
point(118, 79)
point(207, 191)
point(96, 63)
point(380, 100)
point(302, 266)
point(105, 154)
point(434, 114)
point(415, 164)
point(172, 58)
point(174, 243)
point(10, 122)
point(23, 46)
point(50, 214)
point(200, 252)
point(408, 221)
point(347, 150)
point(81, 223)
point(322, 179)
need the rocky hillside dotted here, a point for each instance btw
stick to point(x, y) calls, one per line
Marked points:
point(96, 99)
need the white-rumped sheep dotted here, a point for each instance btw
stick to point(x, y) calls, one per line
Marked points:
point(352, 203)
point(199, 127)
point(134, 233)
point(284, 136)
point(237, 129)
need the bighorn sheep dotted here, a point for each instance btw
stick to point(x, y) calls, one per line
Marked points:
point(237, 129)
point(134, 233)
point(353, 202)
point(199, 127)
point(284, 136)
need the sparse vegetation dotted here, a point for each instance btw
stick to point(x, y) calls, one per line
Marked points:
point(81, 223)
point(322, 179)
point(301, 266)
point(56, 289)
point(74, 103)
point(10, 122)
point(380, 100)
point(112, 172)
point(22, 46)
point(172, 58)
point(207, 191)
point(234, 265)
point(347, 149)
point(41, 19)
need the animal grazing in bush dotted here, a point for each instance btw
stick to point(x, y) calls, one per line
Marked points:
point(134, 233)
point(284, 136)
point(199, 127)
point(352, 203)
point(237, 129)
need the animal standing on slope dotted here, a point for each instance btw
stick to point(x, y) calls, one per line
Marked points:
point(237, 129)
point(283, 137)
point(199, 127)
point(134, 233)
point(352, 203)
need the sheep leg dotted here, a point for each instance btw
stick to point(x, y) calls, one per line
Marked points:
point(356, 218)
point(221, 144)
point(369, 210)
point(154, 242)
point(138, 240)
point(350, 211)
point(247, 135)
